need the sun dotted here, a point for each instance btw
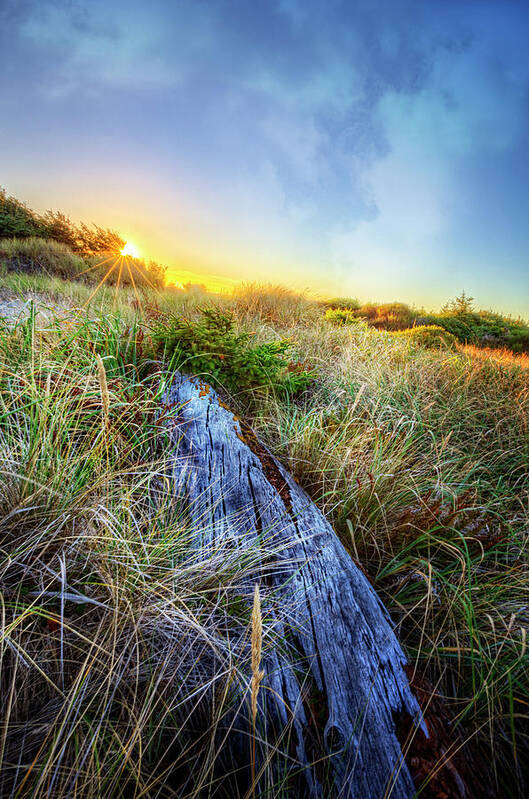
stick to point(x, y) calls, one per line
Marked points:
point(131, 250)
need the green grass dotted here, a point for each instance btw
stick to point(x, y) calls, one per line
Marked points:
point(118, 638)
point(419, 457)
point(421, 460)
point(43, 256)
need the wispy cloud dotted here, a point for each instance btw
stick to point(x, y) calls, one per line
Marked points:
point(352, 135)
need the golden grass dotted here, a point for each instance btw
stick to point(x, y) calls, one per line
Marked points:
point(419, 457)
point(502, 356)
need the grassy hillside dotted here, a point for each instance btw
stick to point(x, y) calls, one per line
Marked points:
point(458, 318)
point(417, 451)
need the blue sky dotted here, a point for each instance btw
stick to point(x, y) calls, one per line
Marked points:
point(376, 149)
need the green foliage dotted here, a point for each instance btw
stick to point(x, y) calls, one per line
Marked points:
point(343, 316)
point(429, 336)
point(483, 328)
point(389, 316)
point(82, 238)
point(346, 303)
point(460, 305)
point(210, 346)
point(16, 219)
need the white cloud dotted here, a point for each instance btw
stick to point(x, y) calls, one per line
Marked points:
point(473, 105)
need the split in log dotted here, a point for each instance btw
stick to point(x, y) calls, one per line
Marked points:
point(338, 682)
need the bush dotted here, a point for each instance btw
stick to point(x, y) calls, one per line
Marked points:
point(36, 254)
point(343, 316)
point(17, 220)
point(429, 336)
point(212, 347)
point(390, 316)
point(82, 238)
point(347, 303)
point(483, 329)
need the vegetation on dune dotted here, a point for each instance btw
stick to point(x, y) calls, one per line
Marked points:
point(272, 304)
point(115, 635)
point(210, 346)
point(430, 336)
point(19, 221)
point(485, 329)
point(421, 459)
point(343, 316)
point(52, 243)
point(50, 258)
point(36, 255)
point(119, 642)
point(457, 317)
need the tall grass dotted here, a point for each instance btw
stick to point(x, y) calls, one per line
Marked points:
point(420, 457)
point(35, 254)
point(120, 641)
point(273, 305)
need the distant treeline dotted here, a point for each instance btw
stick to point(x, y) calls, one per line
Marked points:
point(458, 317)
point(52, 242)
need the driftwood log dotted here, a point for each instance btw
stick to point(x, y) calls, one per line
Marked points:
point(339, 681)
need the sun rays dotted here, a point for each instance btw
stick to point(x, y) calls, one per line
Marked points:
point(121, 267)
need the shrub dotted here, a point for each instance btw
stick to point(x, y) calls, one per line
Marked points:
point(212, 347)
point(343, 316)
point(429, 336)
point(388, 316)
point(82, 238)
point(17, 220)
point(391, 316)
point(349, 303)
point(36, 254)
point(483, 329)
point(460, 305)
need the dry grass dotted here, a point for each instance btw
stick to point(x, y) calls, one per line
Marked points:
point(273, 305)
point(502, 356)
point(111, 623)
point(422, 460)
point(40, 255)
point(121, 643)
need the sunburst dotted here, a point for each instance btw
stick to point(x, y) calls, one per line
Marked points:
point(129, 259)
point(130, 249)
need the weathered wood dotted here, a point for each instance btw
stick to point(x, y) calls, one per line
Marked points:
point(340, 682)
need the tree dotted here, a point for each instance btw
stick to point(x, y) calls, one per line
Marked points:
point(93, 240)
point(460, 305)
point(17, 220)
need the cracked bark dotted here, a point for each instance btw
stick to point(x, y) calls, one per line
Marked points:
point(341, 679)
